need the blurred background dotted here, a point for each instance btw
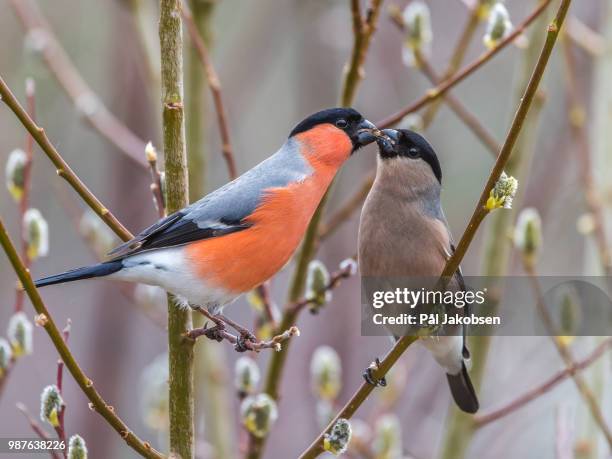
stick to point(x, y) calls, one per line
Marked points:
point(279, 61)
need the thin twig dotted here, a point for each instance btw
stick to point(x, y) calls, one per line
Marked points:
point(462, 112)
point(60, 429)
point(88, 104)
point(577, 121)
point(532, 394)
point(63, 169)
point(86, 384)
point(439, 90)
point(255, 346)
point(478, 215)
point(38, 430)
point(215, 89)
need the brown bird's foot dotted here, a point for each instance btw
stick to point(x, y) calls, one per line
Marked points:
point(368, 374)
point(245, 334)
point(216, 333)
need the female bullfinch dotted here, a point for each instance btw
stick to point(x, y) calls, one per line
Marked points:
point(403, 233)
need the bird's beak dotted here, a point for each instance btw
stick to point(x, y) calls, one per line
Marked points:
point(366, 133)
point(391, 133)
point(386, 142)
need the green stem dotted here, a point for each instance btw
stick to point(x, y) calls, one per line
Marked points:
point(180, 349)
point(210, 375)
point(98, 403)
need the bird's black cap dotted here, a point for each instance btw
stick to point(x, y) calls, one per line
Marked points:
point(409, 144)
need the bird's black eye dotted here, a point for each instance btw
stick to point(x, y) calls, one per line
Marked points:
point(341, 123)
point(414, 152)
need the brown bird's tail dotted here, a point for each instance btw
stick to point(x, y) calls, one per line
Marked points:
point(462, 390)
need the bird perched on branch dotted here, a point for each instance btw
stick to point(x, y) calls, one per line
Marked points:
point(403, 234)
point(240, 235)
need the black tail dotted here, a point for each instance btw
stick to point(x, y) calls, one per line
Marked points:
point(101, 269)
point(462, 390)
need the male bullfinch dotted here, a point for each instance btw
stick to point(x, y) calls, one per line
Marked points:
point(240, 235)
point(403, 234)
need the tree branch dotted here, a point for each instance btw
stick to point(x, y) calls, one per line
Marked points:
point(180, 349)
point(88, 104)
point(478, 215)
point(86, 384)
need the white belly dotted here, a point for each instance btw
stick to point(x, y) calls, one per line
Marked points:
point(166, 268)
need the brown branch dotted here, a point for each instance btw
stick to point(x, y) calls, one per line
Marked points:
point(38, 430)
point(439, 90)
point(88, 104)
point(478, 215)
point(86, 384)
point(63, 169)
point(60, 428)
point(577, 121)
point(546, 386)
point(462, 112)
point(215, 89)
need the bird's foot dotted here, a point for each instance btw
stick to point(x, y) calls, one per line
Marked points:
point(368, 375)
point(215, 333)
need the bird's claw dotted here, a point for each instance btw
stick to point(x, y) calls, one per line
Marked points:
point(214, 333)
point(368, 375)
point(244, 342)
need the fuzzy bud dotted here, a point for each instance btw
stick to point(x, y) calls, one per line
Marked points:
point(316, 285)
point(484, 8)
point(498, 26)
point(15, 173)
point(36, 234)
point(348, 265)
point(51, 403)
point(417, 18)
point(528, 234)
point(154, 394)
point(20, 334)
point(6, 354)
point(502, 193)
point(95, 231)
point(77, 449)
point(258, 414)
point(326, 373)
point(246, 375)
point(337, 441)
point(150, 153)
point(387, 437)
point(570, 315)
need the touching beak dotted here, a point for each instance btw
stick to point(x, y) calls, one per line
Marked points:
point(391, 133)
point(366, 133)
